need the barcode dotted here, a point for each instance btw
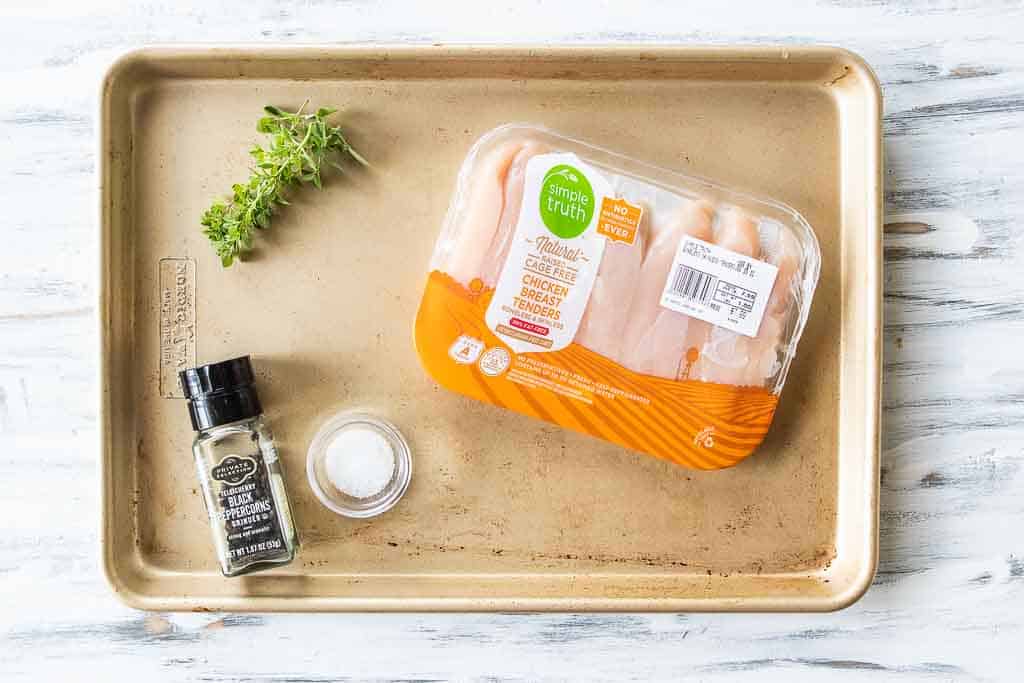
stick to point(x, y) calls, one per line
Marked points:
point(693, 284)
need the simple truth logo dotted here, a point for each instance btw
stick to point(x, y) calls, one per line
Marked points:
point(566, 201)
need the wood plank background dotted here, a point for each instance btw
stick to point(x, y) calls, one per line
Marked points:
point(948, 602)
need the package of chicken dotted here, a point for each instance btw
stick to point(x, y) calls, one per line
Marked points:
point(651, 309)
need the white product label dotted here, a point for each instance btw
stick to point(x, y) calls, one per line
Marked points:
point(495, 361)
point(718, 286)
point(465, 350)
point(554, 256)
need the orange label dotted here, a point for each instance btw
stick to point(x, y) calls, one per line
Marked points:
point(619, 220)
point(696, 424)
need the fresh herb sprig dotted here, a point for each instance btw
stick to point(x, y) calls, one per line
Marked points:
point(300, 146)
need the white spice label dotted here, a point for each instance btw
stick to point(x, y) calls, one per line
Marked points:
point(718, 286)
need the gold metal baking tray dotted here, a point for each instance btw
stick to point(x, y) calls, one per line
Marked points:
point(504, 512)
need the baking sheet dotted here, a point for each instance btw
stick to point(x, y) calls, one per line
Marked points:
point(504, 512)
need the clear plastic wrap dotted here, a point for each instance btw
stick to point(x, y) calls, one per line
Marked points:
point(649, 308)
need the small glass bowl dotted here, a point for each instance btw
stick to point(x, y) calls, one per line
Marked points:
point(340, 502)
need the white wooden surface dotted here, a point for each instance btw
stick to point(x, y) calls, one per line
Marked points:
point(948, 603)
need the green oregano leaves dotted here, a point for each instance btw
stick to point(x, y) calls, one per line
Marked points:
point(300, 145)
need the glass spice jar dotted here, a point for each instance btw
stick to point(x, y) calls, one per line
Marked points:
point(238, 468)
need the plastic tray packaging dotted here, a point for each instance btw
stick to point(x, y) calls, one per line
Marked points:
point(654, 310)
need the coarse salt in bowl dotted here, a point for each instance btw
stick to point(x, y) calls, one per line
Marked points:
point(358, 465)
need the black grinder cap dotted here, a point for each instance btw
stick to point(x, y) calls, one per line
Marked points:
point(219, 393)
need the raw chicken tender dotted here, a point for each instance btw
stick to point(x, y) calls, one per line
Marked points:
point(613, 296)
point(515, 182)
point(657, 338)
point(725, 356)
point(764, 349)
point(479, 217)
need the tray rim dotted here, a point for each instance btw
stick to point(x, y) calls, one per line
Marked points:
point(854, 589)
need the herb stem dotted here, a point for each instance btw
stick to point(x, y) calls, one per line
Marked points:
point(299, 146)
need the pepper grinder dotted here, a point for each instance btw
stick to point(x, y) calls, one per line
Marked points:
point(239, 471)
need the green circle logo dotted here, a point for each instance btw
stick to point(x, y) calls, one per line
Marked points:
point(566, 201)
